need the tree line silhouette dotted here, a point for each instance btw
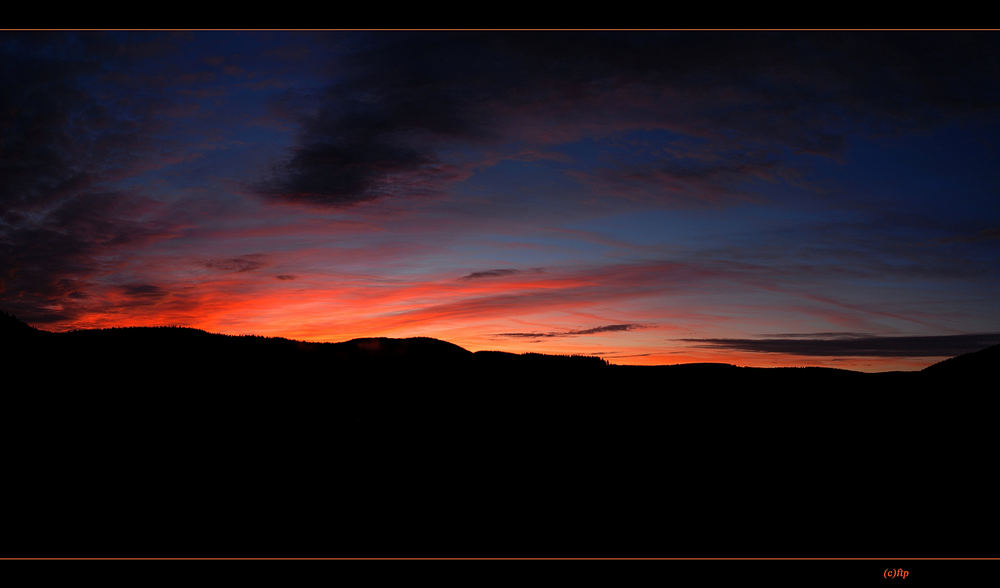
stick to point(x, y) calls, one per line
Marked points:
point(172, 440)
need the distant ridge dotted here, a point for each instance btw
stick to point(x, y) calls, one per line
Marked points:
point(416, 349)
point(10, 325)
point(168, 339)
point(977, 362)
point(410, 347)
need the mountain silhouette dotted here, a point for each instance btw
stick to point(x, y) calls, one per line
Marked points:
point(131, 441)
point(982, 363)
point(10, 326)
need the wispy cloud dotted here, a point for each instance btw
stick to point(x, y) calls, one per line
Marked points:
point(591, 331)
point(242, 263)
point(490, 274)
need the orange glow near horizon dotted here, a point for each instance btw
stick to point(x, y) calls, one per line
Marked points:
point(537, 313)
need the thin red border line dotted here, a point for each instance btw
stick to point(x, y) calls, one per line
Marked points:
point(474, 30)
point(528, 558)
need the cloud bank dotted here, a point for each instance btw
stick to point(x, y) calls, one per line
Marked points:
point(858, 346)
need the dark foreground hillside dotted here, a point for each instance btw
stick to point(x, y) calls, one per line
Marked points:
point(175, 441)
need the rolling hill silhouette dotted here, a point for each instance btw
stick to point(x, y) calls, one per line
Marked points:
point(135, 441)
point(982, 363)
point(10, 327)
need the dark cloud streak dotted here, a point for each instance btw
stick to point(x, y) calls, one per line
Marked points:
point(402, 101)
point(62, 145)
point(922, 346)
point(591, 331)
point(824, 336)
point(243, 263)
point(497, 273)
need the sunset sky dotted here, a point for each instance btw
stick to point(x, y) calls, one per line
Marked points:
point(757, 198)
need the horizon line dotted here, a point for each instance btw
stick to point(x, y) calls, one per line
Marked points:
point(583, 355)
